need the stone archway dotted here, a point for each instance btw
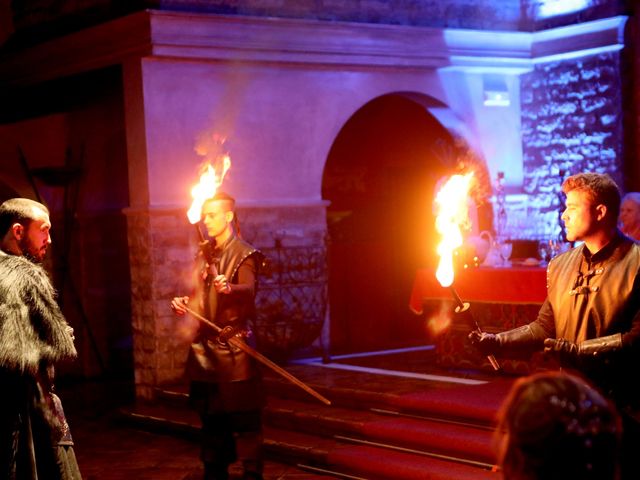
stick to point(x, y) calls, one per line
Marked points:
point(379, 178)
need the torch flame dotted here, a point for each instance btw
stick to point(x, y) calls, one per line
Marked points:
point(210, 181)
point(452, 213)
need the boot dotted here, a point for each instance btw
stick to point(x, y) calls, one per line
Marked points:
point(215, 471)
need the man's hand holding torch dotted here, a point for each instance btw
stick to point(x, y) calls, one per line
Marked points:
point(486, 343)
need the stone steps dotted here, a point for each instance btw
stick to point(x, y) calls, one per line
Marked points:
point(365, 433)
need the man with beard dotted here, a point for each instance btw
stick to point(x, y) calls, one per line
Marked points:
point(226, 387)
point(590, 319)
point(35, 442)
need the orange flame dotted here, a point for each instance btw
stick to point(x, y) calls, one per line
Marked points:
point(210, 181)
point(452, 214)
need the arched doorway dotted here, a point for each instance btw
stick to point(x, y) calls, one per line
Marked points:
point(379, 178)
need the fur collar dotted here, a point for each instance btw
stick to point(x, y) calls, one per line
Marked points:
point(33, 330)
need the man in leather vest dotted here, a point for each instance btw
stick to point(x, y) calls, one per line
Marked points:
point(226, 387)
point(590, 319)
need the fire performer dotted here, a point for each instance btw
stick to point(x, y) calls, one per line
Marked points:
point(226, 386)
point(590, 319)
point(35, 441)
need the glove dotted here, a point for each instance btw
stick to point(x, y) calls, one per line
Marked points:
point(487, 343)
point(512, 340)
point(567, 352)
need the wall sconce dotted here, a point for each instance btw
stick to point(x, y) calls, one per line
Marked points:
point(495, 91)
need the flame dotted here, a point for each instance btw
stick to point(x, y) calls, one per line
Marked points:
point(210, 181)
point(452, 213)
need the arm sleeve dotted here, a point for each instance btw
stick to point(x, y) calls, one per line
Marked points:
point(246, 275)
point(523, 341)
point(544, 325)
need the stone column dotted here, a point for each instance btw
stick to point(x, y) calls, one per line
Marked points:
point(161, 250)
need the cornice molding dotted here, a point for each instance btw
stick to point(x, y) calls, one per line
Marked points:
point(520, 51)
point(208, 37)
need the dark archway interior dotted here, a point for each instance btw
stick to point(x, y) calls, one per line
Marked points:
point(380, 178)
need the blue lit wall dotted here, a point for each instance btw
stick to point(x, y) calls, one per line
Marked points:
point(571, 114)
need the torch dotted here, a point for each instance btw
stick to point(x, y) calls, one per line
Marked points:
point(452, 212)
point(210, 181)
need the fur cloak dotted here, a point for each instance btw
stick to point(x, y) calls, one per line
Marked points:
point(33, 330)
point(34, 336)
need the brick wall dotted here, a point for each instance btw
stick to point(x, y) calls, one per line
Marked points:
point(159, 252)
point(494, 14)
point(480, 14)
point(571, 122)
point(39, 19)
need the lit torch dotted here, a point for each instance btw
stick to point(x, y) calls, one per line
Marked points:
point(210, 181)
point(451, 202)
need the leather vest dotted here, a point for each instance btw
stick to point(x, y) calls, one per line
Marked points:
point(591, 295)
point(235, 310)
point(213, 361)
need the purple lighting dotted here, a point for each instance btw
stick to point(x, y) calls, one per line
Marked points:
point(552, 8)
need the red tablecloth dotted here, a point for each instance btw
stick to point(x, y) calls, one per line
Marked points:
point(483, 284)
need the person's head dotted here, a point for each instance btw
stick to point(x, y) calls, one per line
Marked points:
point(630, 213)
point(554, 425)
point(218, 215)
point(25, 228)
point(592, 205)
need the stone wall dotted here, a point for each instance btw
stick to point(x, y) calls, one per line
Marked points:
point(538, 14)
point(482, 14)
point(159, 255)
point(571, 123)
point(38, 19)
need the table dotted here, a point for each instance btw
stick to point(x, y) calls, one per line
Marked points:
point(483, 284)
point(500, 298)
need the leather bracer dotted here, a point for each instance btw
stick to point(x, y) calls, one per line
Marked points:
point(525, 338)
point(600, 345)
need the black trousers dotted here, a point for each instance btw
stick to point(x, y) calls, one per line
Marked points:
point(227, 437)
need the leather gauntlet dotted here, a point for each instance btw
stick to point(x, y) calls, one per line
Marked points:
point(523, 337)
point(571, 353)
point(600, 345)
point(518, 336)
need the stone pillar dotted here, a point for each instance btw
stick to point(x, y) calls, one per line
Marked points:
point(161, 252)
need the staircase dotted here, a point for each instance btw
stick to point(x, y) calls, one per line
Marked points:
point(378, 426)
